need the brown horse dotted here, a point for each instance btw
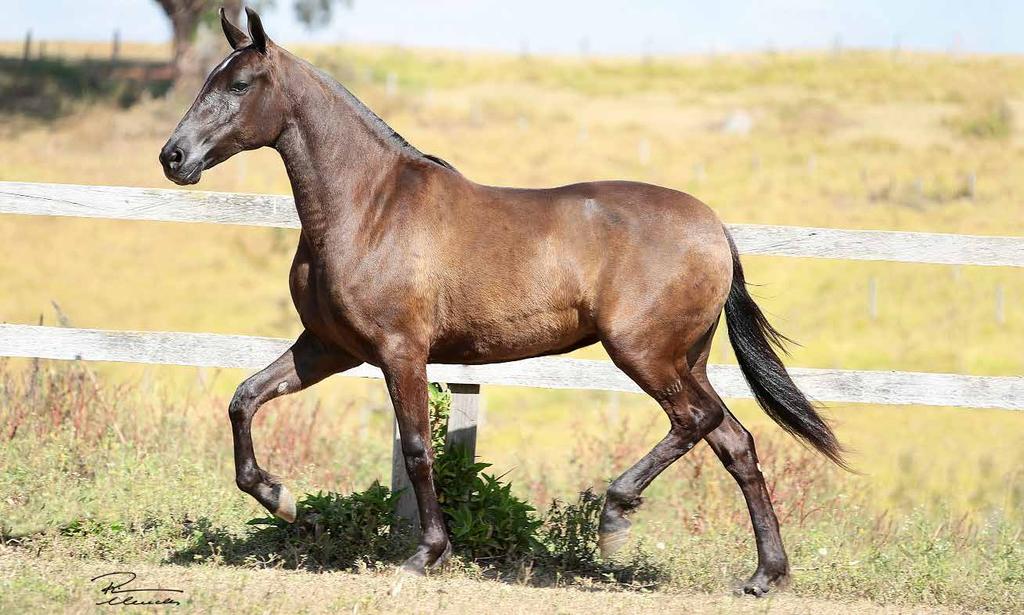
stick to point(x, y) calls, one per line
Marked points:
point(403, 261)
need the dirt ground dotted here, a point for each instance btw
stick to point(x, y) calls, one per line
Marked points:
point(47, 585)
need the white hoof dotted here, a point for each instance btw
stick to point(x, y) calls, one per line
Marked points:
point(613, 541)
point(285, 505)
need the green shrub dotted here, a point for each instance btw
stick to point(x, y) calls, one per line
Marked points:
point(569, 532)
point(440, 406)
point(339, 530)
point(485, 520)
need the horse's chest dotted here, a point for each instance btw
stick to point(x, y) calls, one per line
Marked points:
point(327, 308)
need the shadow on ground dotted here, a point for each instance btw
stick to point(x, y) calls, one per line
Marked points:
point(305, 549)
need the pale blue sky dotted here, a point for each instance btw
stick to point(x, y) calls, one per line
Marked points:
point(658, 26)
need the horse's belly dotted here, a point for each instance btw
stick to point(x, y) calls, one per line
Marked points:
point(494, 341)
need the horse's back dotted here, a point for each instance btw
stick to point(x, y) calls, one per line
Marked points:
point(541, 270)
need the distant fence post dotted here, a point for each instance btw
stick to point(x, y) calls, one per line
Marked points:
point(27, 52)
point(873, 297)
point(462, 423)
point(115, 47)
point(1000, 305)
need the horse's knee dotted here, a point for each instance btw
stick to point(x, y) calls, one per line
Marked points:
point(243, 402)
point(691, 424)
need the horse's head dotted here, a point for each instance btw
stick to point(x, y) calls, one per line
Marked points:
point(241, 106)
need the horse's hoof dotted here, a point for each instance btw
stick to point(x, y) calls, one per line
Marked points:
point(763, 582)
point(419, 564)
point(753, 589)
point(409, 569)
point(285, 504)
point(611, 542)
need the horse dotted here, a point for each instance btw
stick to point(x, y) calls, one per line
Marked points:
point(402, 261)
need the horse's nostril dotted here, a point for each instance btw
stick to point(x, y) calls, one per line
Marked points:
point(174, 160)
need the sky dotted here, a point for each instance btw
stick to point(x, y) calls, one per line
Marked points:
point(633, 27)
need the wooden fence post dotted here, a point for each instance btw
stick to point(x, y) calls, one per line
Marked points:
point(462, 424)
point(406, 506)
point(462, 421)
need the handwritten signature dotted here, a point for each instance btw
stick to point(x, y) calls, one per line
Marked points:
point(120, 594)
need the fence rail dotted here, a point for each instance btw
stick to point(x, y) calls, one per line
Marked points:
point(205, 349)
point(241, 351)
point(279, 211)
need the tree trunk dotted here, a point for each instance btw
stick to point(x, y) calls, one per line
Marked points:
point(184, 16)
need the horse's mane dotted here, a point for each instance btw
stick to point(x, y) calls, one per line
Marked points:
point(374, 120)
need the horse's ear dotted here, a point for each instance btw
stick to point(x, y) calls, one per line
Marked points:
point(256, 33)
point(236, 38)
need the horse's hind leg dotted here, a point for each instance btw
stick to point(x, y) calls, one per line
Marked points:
point(307, 362)
point(692, 414)
point(735, 448)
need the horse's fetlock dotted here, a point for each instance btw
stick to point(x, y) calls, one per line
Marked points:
point(247, 480)
point(435, 539)
point(624, 500)
point(774, 567)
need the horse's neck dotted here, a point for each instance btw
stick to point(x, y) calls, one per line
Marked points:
point(336, 163)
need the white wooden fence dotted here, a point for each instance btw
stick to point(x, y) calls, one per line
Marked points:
point(202, 349)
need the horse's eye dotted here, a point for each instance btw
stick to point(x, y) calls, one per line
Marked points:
point(239, 86)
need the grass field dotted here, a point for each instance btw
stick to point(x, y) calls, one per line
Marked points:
point(856, 140)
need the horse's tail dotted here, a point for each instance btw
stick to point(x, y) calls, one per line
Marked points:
point(753, 338)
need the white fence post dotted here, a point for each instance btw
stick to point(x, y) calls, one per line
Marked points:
point(406, 506)
point(462, 423)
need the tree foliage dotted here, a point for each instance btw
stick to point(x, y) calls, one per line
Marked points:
point(187, 15)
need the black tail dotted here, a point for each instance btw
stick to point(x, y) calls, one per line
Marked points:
point(753, 338)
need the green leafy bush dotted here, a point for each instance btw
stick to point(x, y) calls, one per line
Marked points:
point(340, 530)
point(440, 405)
point(569, 532)
point(485, 520)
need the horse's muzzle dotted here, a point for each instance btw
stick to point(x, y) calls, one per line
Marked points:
point(177, 166)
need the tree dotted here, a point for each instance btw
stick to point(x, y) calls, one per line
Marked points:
point(187, 15)
point(317, 13)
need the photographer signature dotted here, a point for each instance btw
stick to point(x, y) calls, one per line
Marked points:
point(121, 595)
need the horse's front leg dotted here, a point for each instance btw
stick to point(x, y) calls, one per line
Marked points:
point(406, 376)
point(307, 362)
